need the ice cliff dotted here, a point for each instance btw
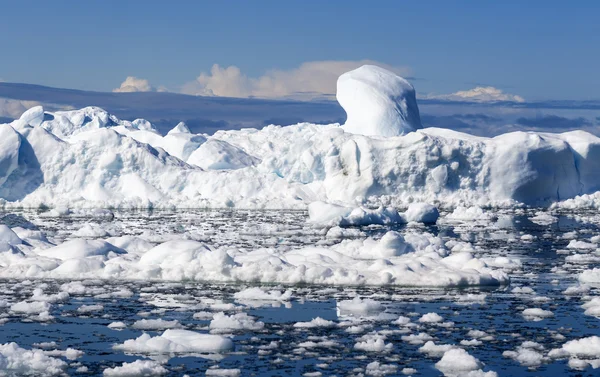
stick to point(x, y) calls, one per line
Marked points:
point(89, 158)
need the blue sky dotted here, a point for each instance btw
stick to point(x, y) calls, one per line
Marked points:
point(535, 49)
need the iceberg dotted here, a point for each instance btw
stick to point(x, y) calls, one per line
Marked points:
point(380, 157)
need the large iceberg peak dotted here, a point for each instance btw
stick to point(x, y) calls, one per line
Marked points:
point(377, 102)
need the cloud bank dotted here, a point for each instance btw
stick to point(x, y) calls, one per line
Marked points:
point(311, 80)
point(479, 94)
point(133, 84)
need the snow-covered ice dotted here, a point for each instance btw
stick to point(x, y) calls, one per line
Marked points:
point(377, 102)
point(90, 158)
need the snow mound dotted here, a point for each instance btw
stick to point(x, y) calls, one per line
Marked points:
point(377, 102)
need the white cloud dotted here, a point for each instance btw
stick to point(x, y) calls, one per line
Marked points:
point(134, 84)
point(310, 80)
point(479, 94)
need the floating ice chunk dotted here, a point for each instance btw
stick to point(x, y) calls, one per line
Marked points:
point(543, 218)
point(590, 276)
point(401, 321)
point(375, 368)
point(523, 290)
point(592, 307)
point(373, 343)
point(35, 307)
point(90, 308)
point(222, 323)
point(585, 347)
point(471, 342)
point(419, 338)
point(537, 314)
point(577, 290)
point(117, 325)
point(435, 350)
point(471, 299)
point(20, 362)
point(219, 372)
point(176, 340)
point(581, 245)
point(431, 318)
point(457, 360)
point(147, 368)
point(527, 354)
point(155, 324)
point(327, 214)
point(421, 213)
point(39, 295)
point(256, 293)
point(69, 353)
point(316, 322)
point(359, 307)
point(469, 213)
point(377, 102)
